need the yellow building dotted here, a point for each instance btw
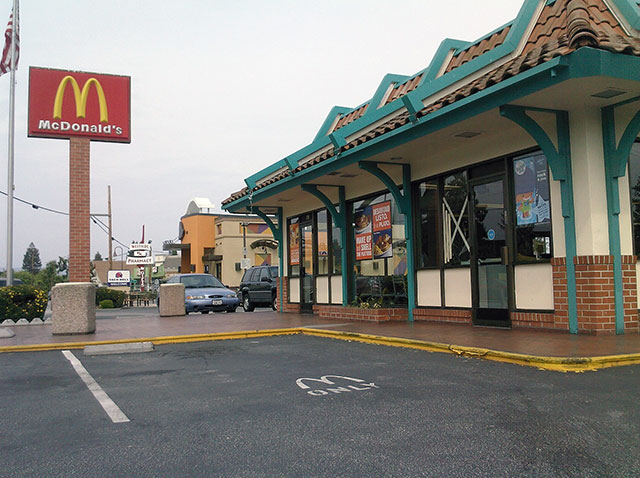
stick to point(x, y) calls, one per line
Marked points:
point(214, 243)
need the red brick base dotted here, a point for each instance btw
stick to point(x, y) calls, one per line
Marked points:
point(456, 316)
point(355, 313)
point(594, 295)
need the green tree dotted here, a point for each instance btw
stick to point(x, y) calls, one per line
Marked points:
point(31, 261)
point(48, 277)
point(63, 266)
point(98, 256)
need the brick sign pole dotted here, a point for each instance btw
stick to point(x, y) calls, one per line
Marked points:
point(81, 107)
point(79, 204)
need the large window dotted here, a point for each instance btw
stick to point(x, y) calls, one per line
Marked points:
point(293, 245)
point(532, 206)
point(380, 251)
point(323, 242)
point(428, 230)
point(443, 236)
point(455, 220)
point(336, 249)
point(634, 186)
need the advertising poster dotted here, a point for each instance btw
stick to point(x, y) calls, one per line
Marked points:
point(532, 190)
point(294, 244)
point(323, 244)
point(363, 234)
point(381, 222)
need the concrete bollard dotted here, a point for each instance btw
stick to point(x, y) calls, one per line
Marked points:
point(171, 300)
point(73, 307)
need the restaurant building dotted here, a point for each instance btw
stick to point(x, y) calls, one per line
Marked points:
point(498, 186)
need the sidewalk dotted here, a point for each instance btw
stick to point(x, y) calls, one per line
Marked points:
point(144, 323)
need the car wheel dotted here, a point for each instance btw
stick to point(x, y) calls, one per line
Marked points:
point(231, 310)
point(274, 303)
point(247, 305)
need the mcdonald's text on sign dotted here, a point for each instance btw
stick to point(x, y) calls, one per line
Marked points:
point(65, 103)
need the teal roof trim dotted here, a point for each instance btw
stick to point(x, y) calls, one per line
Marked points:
point(331, 117)
point(630, 11)
point(253, 179)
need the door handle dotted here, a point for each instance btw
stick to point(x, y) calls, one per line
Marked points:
point(504, 255)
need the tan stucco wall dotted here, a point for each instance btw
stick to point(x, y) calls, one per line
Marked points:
point(457, 287)
point(534, 286)
point(322, 290)
point(428, 288)
point(336, 289)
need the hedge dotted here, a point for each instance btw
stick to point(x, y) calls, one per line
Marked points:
point(22, 302)
point(106, 304)
point(116, 296)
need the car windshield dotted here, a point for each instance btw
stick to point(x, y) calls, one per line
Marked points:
point(194, 281)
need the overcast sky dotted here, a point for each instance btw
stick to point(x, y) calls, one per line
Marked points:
point(220, 89)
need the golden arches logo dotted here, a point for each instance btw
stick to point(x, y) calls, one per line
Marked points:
point(80, 97)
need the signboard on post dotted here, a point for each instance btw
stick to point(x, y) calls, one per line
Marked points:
point(140, 254)
point(65, 104)
point(119, 278)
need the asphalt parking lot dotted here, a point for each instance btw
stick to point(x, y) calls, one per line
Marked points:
point(307, 406)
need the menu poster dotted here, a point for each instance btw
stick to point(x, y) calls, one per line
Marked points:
point(531, 182)
point(381, 222)
point(363, 234)
point(323, 244)
point(294, 244)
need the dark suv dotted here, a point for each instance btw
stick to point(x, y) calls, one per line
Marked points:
point(258, 287)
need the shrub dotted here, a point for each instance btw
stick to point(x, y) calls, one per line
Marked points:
point(106, 304)
point(22, 301)
point(115, 296)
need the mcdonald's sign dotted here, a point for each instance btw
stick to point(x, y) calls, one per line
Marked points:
point(66, 103)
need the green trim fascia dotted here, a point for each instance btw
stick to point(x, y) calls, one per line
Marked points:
point(615, 165)
point(442, 52)
point(384, 85)
point(335, 111)
point(630, 11)
point(403, 201)
point(559, 161)
point(586, 62)
point(252, 180)
point(340, 220)
point(278, 234)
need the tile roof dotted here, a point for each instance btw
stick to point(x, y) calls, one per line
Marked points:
point(403, 88)
point(350, 117)
point(562, 28)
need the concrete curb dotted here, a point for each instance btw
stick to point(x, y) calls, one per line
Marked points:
point(557, 364)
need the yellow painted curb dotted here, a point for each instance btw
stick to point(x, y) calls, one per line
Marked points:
point(558, 364)
point(173, 339)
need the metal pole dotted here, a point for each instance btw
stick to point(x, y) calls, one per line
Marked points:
point(110, 228)
point(12, 101)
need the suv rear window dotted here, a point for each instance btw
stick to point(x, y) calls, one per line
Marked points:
point(274, 271)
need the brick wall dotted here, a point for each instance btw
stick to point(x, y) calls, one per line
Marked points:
point(288, 306)
point(79, 203)
point(456, 316)
point(595, 294)
point(355, 313)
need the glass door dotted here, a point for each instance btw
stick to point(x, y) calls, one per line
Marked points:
point(490, 274)
point(307, 277)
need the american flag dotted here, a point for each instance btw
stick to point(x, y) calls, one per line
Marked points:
point(5, 64)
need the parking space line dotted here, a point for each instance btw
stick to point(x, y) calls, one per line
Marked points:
point(107, 404)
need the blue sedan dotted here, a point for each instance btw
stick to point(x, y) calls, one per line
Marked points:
point(204, 293)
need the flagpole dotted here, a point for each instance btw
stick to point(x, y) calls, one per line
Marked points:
point(12, 101)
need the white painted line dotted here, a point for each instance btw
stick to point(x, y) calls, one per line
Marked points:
point(109, 406)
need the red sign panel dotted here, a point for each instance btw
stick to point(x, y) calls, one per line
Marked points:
point(66, 103)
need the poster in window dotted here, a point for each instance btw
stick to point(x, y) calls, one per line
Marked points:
point(294, 244)
point(381, 223)
point(531, 181)
point(363, 234)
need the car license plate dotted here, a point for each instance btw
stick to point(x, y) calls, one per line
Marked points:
point(216, 302)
